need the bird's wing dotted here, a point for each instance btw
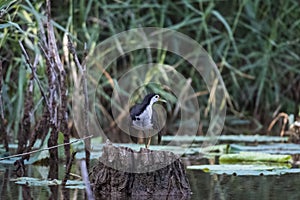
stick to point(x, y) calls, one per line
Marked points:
point(132, 131)
point(135, 111)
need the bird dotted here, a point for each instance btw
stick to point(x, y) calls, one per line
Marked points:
point(144, 118)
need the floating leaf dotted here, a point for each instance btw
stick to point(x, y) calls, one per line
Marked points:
point(30, 181)
point(241, 170)
point(254, 157)
point(279, 148)
point(225, 138)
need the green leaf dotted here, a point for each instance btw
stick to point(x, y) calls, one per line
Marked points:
point(254, 157)
point(41, 155)
point(9, 24)
point(6, 3)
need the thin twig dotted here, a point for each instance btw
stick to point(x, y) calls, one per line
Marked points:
point(35, 151)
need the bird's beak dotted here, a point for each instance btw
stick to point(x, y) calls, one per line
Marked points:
point(162, 100)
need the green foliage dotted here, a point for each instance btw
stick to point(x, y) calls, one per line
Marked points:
point(255, 44)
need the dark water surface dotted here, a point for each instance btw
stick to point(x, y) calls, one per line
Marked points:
point(9, 190)
point(204, 186)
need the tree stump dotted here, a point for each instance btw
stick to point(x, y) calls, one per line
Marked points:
point(123, 172)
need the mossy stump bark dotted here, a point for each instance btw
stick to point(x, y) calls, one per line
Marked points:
point(122, 171)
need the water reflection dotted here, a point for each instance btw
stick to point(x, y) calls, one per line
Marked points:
point(11, 191)
point(26, 192)
point(204, 186)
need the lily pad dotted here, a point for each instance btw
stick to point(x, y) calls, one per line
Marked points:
point(180, 150)
point(30, 181)
point(278, 148)
point(226, 138)
point(242, 170)
point(254, 157)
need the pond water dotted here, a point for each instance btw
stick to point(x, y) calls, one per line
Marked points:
point(204, 186)
point(9, 190)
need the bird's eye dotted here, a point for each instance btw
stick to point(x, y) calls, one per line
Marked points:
point(156, 96)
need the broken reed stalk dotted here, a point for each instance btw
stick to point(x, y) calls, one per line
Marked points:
point(52, 94)
point(25, 125)
point(62, 115)
point(57, 92)
point(82, 70)
point(55, 116)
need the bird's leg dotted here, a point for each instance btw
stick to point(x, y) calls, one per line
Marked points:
point(140, 137)
point(148, 144)
point(145, 139)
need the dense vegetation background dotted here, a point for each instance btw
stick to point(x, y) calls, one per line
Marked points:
point(255, 44)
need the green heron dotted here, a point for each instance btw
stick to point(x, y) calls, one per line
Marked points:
point(144, 118)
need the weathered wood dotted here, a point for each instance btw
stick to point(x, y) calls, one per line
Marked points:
point(122, 171)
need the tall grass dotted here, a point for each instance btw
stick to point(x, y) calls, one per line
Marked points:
point(255, 44)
